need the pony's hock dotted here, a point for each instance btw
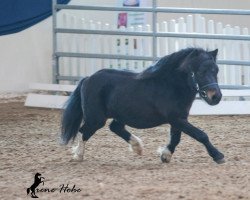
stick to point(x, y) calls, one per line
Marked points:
point(161, 94)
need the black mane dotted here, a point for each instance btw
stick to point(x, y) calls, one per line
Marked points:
point(167, 64)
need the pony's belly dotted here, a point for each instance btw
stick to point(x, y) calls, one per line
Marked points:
point(143, 126)
point(143, 122)
point(140, 116)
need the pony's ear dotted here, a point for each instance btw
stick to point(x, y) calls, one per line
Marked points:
point(185, 65)
point(214, 53)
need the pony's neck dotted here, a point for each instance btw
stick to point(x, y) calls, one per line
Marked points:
point(183, 83)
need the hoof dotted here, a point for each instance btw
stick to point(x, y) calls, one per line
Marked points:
point(76, 160)
point(166, 156)
point(136, 144)
point(136, 147)
point(78, 152)
point(220, 161)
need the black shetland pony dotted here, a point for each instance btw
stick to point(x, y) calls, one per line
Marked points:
point(161, 94)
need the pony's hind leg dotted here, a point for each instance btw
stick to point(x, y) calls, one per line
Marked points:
point(78, 150)
point(119, 129)
point(87, 131)
point(167, 151)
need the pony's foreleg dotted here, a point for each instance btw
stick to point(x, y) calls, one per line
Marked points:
point(167, 151)
point(134, 142)
point(200, 136)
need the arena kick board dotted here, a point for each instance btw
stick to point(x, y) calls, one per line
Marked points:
point(56, 100)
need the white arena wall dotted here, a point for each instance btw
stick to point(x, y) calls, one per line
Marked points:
point(26, 56)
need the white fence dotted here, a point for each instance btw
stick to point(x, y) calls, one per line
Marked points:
point(141, 46)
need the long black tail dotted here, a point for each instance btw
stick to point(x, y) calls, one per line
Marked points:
point(72, 116)
point(28, 191)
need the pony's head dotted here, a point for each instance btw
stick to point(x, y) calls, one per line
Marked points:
point(202, 71)
point(197, 64)
point(38, 174)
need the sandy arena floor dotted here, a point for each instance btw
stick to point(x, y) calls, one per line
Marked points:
point(29, 144)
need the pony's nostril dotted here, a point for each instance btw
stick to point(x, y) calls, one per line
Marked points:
point(214, 97)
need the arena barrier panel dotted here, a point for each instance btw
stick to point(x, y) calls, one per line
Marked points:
point(72, 34)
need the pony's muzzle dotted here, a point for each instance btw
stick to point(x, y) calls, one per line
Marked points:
point(214, 96)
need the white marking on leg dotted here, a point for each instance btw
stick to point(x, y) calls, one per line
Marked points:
point(169, 136)
point(135, 144)
point(78, 150)
point(164, 152)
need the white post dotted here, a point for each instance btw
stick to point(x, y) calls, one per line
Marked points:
point(131, 48)
point(203, 30)
point(220, 46)
point(118, 51)
point(140, 48)
point(135, 51)
point(79, 48)
point(73, 48)
point(200, 27)
point(107, 47)
point(99, 47)
point(182, 29)
point(64, 68)
point(93, 47)
point(87, 47)
point(246, 56)
point(197, 28)
point(147, 47)
point(210, 30)
point(125, 47)
point(190, 29)
point(83, 48)
point(163, 41)
point(172, 41)
point(236, 69)
point(158, 53)
point(113, 44)
point(229, 73)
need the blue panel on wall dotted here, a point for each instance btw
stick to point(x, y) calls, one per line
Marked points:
point(17, 15)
